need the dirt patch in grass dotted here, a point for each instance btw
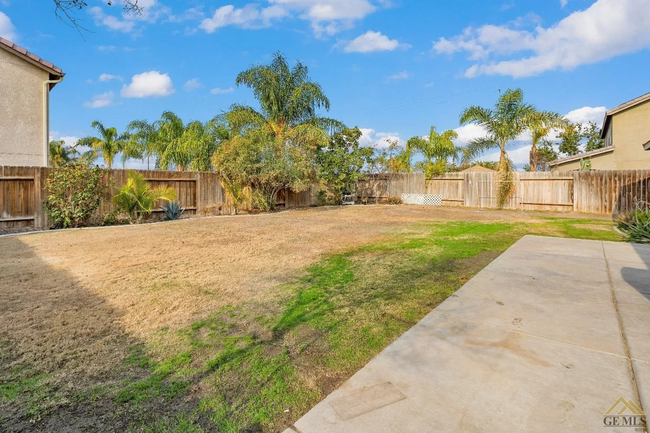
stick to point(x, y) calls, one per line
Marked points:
point(228, 324)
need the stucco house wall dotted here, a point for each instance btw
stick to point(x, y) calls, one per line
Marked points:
point(24, 124)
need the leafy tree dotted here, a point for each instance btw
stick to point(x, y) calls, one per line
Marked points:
point(288, 99)
point(541, 125)
point(108, 144)
point(60, 154)
point(342, 161)
point(591, 133)
point(268, 163)
point(391, 159)
point(506, 121)
point(546, 154)
point(570, 138)
point(437, 150)
point(136, 197)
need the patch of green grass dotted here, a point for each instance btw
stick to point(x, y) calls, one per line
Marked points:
point(11, 390)
point(260, 366)
point(157, 384)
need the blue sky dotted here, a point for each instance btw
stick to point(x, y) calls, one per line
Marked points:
point(391, 67)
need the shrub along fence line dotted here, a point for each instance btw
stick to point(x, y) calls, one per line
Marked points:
point(602, 192)
point(23, 190)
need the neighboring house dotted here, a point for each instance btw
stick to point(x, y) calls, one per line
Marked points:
point(626, 131)
point(25, 84)
point(477, 169)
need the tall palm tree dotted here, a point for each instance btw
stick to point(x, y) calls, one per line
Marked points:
point(288, 99)
point(542, 122)
point(107, 145)
point(60, 155)
point(437, 150)
point(141, 141)
point(509, 118)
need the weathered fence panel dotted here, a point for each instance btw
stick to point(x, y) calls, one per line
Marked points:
point(612, 192)
point(380, 187)
point(451, 187)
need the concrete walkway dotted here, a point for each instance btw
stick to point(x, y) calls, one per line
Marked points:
point(547, 338)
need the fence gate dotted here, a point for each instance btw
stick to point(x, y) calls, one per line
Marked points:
point(19, 204)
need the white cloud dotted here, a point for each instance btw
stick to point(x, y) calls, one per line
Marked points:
point(372, 41)
point(327, 17)
point(192, 84)
point(101, 100)
point(108, 77)
point(563, 3)
point(587, 114)
point(70, 140)
point(379, 140)
point(7, 29)
point(608, 28)
point(248, 17)
point(113, 23)
point(404, 75)
point(148, 84)
point(220, 91)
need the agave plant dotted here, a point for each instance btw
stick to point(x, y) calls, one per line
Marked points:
point(136, 197)
point(636, 226)
point(172, 211)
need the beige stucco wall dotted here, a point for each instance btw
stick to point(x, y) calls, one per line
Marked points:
point(631, 130)
point(21, 111)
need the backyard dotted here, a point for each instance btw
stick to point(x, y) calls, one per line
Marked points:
point(229, 323)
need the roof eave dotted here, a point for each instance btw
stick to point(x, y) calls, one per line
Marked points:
point(580, 156)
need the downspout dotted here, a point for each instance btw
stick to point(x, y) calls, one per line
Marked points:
point(46, 119)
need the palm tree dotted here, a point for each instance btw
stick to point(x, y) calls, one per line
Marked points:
point(288, 99)
point(60, 155)
point(141, 140)
point(437, 149)
point(107, 145)
point(136, 197)
point(542, 122)
point(509, 118)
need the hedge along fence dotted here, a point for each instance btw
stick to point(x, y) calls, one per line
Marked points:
point(603, 192)
point(23, 190)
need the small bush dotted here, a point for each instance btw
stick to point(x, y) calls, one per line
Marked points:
point(172, 211)
point(74, 194)
point(136, 198)
point(395, 200)
point(325, 198)
point(636, 226)
point(114, 219)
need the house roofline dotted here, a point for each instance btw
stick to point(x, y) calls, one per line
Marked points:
point(54, 71)
point(625, 106)
point(582, 155)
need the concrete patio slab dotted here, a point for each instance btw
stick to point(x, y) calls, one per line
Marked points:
point(532, 343)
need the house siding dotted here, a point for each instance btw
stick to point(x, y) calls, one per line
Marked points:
point(629, 131)
point(21, 111)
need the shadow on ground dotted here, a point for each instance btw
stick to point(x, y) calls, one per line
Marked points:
point(61, 347)
point(636, 277)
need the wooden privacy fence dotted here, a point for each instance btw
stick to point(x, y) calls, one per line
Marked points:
point(380, 187)
point(603, 192)
point(23, 190)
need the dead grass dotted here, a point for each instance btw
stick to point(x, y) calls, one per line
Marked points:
point(76, 303)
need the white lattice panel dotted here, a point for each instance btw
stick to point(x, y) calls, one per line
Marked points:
point(423, 199)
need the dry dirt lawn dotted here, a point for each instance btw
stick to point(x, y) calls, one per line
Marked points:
point(73, 301)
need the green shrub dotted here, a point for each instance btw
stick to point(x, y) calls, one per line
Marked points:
point(636, 226)
point(395, 200)
point(74, 194)
point(136, 197)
